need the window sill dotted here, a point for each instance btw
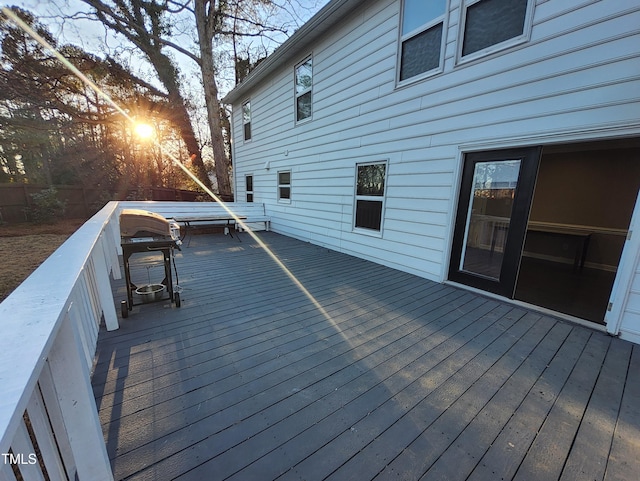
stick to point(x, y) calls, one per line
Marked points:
point(490, 52)
point(419, 78)
point(367, 232)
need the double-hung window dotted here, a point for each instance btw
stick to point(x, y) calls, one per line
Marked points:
point(369, 199)
point(304, 85)
point(246, 120)
point(248, 179)
point(489, 25)
point(284, 185)
point(422, 39)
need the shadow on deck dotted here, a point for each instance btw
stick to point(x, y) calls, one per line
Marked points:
point(398, 378)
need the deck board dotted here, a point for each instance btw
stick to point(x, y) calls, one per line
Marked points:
point(624, 456)
point(593, 440)
point(549, 452)
point(393, 377)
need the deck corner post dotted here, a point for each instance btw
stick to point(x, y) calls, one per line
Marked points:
point(104, 288)
point(79, 413)
point(110, 248)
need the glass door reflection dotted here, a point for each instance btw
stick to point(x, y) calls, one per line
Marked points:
point(489, 217)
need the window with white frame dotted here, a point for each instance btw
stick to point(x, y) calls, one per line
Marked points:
point(492, 24)
point(248, 182)
point(246, 120)
point(304, 85)
point(369, 197)
point(422, 38)
point(284, 185)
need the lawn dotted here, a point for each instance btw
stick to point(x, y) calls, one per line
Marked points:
point(23, 247)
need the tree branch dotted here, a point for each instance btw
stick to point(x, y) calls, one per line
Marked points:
point(131, 28)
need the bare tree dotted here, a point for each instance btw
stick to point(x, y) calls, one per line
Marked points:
point(207, 20)
point(145, 25)
point(217, 23)
point(151, 24)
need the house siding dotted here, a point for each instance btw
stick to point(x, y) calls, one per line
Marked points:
point(576, 78)
point(630, 325)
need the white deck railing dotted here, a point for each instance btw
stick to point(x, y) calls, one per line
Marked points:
point(50, 323)
point(50, 326)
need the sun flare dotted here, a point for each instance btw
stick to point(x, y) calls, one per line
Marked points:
point(143, 130)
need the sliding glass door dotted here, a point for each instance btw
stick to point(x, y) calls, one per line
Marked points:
point(495, 199)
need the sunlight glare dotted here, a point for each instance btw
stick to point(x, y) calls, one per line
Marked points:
point(178, 164)
point(143, 130)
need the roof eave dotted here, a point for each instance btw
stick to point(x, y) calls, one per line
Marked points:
point(322, 21)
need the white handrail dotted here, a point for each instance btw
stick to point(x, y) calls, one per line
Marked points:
point(49, 328)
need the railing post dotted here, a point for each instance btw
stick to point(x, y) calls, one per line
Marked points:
point(75, 396)
point(110, 248)
point(101, 267)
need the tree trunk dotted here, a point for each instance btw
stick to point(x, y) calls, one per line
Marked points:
point(205, 38)
point(148, 25)
point(180, 117)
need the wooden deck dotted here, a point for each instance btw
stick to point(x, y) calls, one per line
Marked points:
point(398, 378)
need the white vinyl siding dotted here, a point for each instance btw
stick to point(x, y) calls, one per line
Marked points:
point(630, 325)
point(576, 78)
point(625, 306)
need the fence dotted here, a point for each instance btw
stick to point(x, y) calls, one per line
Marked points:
point(81, 203)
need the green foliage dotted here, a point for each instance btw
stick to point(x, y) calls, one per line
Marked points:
point(46, 208)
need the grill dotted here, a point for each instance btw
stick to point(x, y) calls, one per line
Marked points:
point(147, 232)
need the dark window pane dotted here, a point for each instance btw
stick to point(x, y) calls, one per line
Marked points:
point(303, 109)
point(249, 197)
point(284, 177)
point(371, 179)
point(421, 53)
point(369, 214)
point(247, 131)
point(490, 22)
point(249, 181)
point(285, 193)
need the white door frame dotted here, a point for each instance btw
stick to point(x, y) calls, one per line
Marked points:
point(627, 267)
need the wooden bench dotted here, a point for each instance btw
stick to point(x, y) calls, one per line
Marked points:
point(253, 213)
point(197, 215)
point(190, 223)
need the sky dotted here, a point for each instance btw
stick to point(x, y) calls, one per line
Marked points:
point(92, 37)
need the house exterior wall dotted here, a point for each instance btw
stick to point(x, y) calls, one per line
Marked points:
point(630, 319)
point(576, 78)
point(624, 315)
